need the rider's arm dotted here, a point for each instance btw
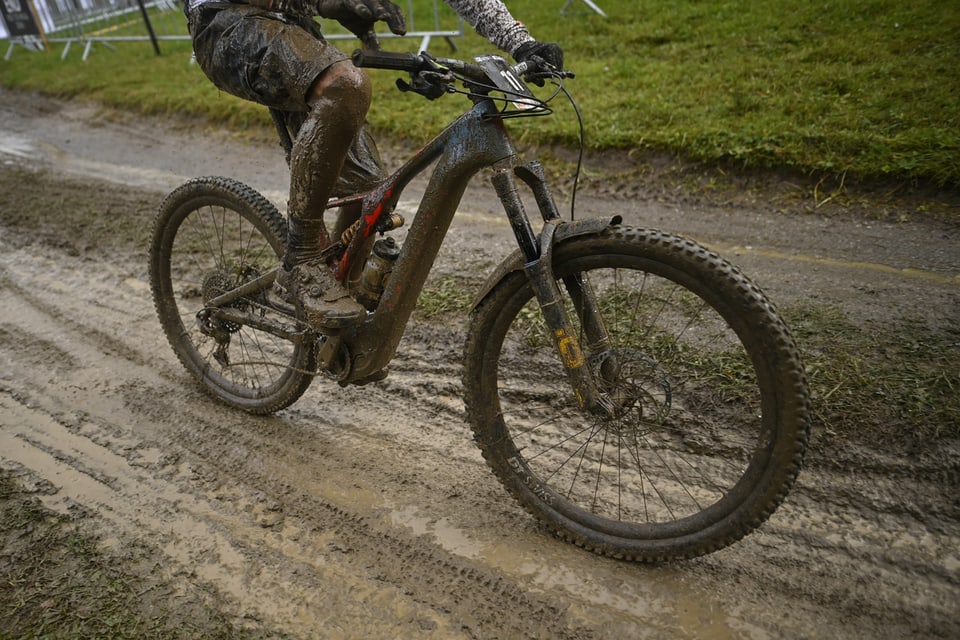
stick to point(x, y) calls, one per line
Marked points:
point(493, 21)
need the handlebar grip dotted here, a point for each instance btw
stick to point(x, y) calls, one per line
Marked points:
point(387, 60)
point(533, 68)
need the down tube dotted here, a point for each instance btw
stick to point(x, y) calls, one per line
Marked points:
point(475, 141)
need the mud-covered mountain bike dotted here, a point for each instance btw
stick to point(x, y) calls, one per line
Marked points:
point(630, 388)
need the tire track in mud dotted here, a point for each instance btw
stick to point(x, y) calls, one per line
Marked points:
point(810, 562)
point(485, 603)
point(374, 499)
point(160, 397)
point(221, 547)
point(230, 489)
point(88, 470)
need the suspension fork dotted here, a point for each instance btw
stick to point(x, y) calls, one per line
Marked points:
point(577, 285)
point(538, 265)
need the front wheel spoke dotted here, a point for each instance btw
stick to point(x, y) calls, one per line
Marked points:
point(559, 444)
point(582, 451)
point(596, 486)
point(520, 434)
point(674, 476)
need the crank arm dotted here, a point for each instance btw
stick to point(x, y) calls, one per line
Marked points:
point(285, 330)
point(255, 285)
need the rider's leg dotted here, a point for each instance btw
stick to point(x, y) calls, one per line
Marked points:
point(287, 65)
point(338, 102)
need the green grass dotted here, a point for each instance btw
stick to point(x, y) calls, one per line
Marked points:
point(855, 88)
point(59, 581)
point(893, 385)
point(445, 295)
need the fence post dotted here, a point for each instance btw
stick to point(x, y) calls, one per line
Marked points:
point(146, 21)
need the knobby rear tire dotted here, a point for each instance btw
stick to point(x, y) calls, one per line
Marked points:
point(712, 419)
point(210, 235)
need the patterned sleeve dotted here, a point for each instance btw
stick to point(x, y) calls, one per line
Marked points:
point(493, 21)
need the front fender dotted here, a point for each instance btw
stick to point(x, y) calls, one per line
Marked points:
point(564, 231)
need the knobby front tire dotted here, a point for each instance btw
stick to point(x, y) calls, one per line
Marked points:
point(211, 235)
point(712, 403)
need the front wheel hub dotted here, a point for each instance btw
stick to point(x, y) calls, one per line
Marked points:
point(632, 381)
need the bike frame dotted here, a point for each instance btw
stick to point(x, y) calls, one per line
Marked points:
point(475, 140)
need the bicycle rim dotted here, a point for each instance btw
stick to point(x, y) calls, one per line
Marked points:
point(710, 421)
point(213, 235)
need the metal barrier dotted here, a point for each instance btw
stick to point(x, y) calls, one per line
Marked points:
point(104, 22)
point(590, 3)
point(443, 23)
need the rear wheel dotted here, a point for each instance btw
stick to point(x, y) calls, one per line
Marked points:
point(212, 235)
point(709, 421)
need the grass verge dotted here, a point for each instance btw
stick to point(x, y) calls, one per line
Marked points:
point(850, 89)
point(58, 581)
point(892, 386)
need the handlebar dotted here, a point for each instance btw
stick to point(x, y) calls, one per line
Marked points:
point(415, 63)
point(386, 60)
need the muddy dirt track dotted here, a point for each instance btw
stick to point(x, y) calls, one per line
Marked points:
point(367, 512)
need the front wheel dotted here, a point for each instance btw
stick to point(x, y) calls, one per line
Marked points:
point(213, 235)
point(707, 403)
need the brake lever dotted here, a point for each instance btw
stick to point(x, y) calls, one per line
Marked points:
point(429, 84)
point(537, 70)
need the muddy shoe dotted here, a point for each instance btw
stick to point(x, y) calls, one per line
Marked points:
point(320, 300)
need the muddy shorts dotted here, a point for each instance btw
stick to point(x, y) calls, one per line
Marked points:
point(273, 59)
point(260, 55)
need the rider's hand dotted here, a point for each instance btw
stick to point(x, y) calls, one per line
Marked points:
point(550, 53)
point(359, 16)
